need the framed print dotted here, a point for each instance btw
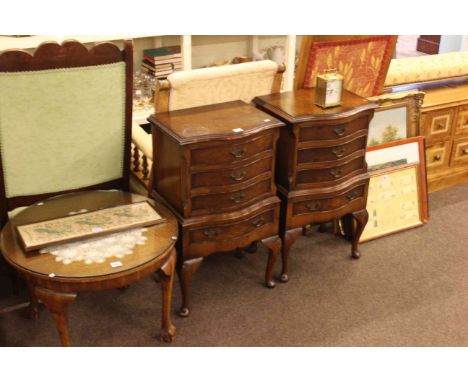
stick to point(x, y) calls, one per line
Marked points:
point(396, 118)
point(406, 151)
point(88, 224)
point(397, 196)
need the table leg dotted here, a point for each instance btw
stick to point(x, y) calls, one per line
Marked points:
point(166, 273)
point(57, 303)
point(32, 311)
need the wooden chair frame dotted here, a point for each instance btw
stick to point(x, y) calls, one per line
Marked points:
point(70, 54)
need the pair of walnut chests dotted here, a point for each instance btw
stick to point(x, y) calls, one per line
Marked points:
point(235, 175)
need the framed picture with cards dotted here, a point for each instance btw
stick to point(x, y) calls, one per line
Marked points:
point(397, 197)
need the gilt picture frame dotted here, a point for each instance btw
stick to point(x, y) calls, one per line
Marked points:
point(397, 117)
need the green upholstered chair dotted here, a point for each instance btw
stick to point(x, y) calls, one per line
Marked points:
point(65, 121)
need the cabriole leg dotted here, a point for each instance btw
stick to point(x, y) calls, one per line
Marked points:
point(57, 303)
point(361, 217)
point(289, 238)
point(166, 274)
point(273, 244)
point(186, 271)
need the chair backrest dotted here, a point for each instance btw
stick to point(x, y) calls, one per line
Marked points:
point(213, 85)
point(65, 121)
point(363, 61)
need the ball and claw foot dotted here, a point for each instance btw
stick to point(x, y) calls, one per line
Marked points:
point(184, 312)
point(355, 255)
point(284, 278)
point(270, 284)
point(167, 336)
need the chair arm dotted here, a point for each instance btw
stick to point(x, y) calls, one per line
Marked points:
point(161, 96)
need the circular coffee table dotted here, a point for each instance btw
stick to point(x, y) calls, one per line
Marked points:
point(57, 284)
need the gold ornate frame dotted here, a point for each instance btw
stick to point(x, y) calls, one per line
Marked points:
point(412, 100)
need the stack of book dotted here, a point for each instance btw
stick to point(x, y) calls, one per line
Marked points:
point(160, 62)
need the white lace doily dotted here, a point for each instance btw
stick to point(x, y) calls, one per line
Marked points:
point(98, 249)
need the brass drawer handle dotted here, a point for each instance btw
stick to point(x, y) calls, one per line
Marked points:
point(339, 131)
point(239, 153)
point(313, 206)
point(338, 151)
point(237, 197)
point(211, 233)
point(465, 151)
point(353, 194)
point(440, 126)
point(437, 157)
point(257, 223)
point(237, 176)
point(336, 173)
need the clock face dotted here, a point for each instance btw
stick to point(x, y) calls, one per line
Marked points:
point(333, 92)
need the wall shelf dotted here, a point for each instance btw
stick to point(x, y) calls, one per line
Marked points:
point(197, 50)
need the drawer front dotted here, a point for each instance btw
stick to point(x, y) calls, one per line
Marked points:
point(461, 123)
point(330, 174)
point(228, 201)
point(331, 153)
point(233, 152)
point(437, 125)
point(438, 155)
point(231, 232)
point(459, 153)
point(313, 133)
point(317, 205)
point(228, 177)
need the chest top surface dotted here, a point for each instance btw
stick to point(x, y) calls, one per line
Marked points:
point(299, 106)
point(229, 120)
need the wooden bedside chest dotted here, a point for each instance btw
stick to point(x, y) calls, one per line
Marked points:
point(321, 170)
point(214, 167)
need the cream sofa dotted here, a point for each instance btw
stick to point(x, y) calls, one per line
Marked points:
point(424, 69)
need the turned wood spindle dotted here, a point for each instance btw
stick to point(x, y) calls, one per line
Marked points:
point(136, 159)
point(145, 170)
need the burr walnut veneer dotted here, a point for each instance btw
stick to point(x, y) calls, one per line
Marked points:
point(321, 171)
point(214, 167)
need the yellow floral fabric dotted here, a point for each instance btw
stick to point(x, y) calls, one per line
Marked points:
point(427, 68)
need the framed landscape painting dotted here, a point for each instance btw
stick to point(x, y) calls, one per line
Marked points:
point(396, 118)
